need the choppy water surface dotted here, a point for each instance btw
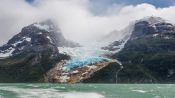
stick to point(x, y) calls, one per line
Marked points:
point(87, 91)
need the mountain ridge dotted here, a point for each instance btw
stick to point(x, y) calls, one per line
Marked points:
point(147, 55)
point(30, 54)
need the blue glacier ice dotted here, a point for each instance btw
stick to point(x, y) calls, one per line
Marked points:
point(77, 62)
point(86, 55)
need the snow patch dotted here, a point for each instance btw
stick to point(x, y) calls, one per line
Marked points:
point(15, 44)
point(166, 37)
point(153, 20)
point(49, 39)
point(42, 27)
point(21, 41)
point(28, 39)
point(40, 33)
point(155, 35)
point(8, 53)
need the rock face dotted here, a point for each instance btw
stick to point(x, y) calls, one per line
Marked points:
point(31, 53)
point(107, 74)
point(149, 54)
point(116, 45)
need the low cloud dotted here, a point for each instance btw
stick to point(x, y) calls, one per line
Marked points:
point(74, 17)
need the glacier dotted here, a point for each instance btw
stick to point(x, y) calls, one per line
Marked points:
point(85, 55)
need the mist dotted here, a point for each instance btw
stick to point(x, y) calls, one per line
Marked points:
point(75, 18)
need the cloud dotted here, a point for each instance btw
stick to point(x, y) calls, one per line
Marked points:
point(75, 18)
point(14, 14)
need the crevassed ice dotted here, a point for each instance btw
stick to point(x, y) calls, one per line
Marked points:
point(77, 62)
point(83, 55)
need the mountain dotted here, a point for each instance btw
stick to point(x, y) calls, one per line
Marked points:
point(149, 54)
point(146, 53)
point(45, 32)
point(31, 53)
point(40, 53)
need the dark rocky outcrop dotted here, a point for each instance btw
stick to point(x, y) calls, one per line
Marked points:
point(116, 45)
point(108, 74)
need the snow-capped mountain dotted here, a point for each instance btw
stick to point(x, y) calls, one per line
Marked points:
point(148, 55)
point(40, 53)
point(46, 32)
point(148, 26)
point(152, 26)
point(31, 53)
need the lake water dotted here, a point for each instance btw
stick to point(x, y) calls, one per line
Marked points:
point(87, 91)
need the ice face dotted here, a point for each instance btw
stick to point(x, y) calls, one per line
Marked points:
point(76, 62)
point(81, 56)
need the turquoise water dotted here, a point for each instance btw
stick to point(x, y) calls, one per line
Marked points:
point(87, 91)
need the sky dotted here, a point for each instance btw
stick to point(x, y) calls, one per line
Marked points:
point(80, 20)
point(98, 6)
point(106, 3)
